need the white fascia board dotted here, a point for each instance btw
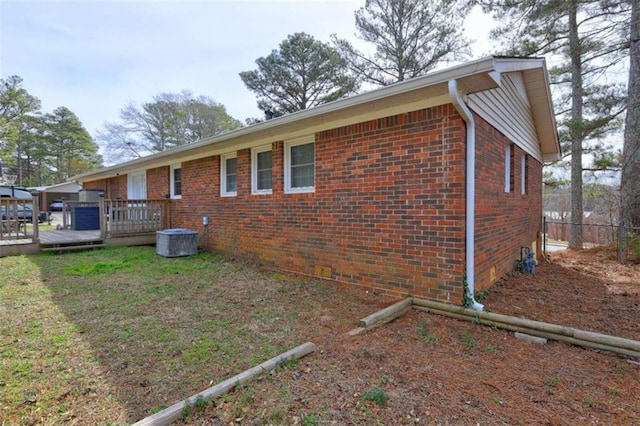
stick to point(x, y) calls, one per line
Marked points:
point(59, 187)
point(511, 64)
point(551, 158)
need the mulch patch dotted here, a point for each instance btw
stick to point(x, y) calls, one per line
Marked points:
point(435, 370)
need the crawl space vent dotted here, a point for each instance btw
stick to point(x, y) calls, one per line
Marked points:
point(176, 242)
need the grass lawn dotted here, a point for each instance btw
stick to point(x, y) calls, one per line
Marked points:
point(113, 335)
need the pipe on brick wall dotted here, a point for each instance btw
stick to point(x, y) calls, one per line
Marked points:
point(464, 111)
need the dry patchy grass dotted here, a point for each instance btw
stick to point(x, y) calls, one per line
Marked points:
point(114, 335)
point(111, 336)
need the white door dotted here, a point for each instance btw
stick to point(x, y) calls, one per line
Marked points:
point(137, 190)
point(137, 186)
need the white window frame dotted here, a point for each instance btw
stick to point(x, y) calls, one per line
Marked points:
point(523, 175)
point(287, 166)
point(172, 187)
point(254, 170)
point(137, 185)
point(223, 175)
point(507, 168)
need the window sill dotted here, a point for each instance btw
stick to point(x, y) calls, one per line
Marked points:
point(306, 190)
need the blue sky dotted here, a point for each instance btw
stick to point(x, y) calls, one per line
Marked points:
point(96, 56)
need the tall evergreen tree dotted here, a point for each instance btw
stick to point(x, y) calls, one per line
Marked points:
point(410, 37)
point(583, 39)
point(15, 101)
point(72, 150)
point(28, 149)
point(41, 149)
point(302, 73)
point(630, 184)
point(16, 105)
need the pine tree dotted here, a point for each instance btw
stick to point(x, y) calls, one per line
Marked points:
point(16, 108)
point(302, 73)
point(72, 150)
point(583, 39)
point(630, 184)
point(410, 37)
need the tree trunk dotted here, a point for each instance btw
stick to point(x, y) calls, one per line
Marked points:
point(575, 130)
point(630, 183)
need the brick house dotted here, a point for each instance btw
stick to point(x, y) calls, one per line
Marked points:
point(408, 189)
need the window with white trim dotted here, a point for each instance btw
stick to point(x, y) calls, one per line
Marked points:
point(523, 175)
point(508, 168)
point(299, 169)
point(261, 168)
point(228, 175)
point(175, 179)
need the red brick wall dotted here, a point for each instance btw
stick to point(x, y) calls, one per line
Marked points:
point(96, 184)
point(115, 187)
point(504, 221)
point(387, 212)
point(158, 183)
point(118, 187)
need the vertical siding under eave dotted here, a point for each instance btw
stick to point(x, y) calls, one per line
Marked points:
point(507, 109)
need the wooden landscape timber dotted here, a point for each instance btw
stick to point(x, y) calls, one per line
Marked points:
point(622, 346)
point(387, 314)
point(573, 336)
point(174, 412)
point(569, 335)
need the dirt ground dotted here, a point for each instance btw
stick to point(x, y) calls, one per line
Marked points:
point(427, 369)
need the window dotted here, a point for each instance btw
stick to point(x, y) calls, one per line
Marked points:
point(523, 175)
point(261, 166)
point(508, 168)
point(228, 175)
point(299, 171)
point(175, 184)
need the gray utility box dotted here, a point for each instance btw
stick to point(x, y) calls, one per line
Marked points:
point(90, 195)
point(176, 242)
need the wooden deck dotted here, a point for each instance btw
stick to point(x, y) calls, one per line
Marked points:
point(121, 223)
point(67, 236)
point(68, 240)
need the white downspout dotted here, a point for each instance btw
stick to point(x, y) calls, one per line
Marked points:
point(464, 111)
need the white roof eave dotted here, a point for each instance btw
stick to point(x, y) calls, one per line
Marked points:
point(481, 74)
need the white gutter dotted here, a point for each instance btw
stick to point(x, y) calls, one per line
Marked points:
point(464, 111)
